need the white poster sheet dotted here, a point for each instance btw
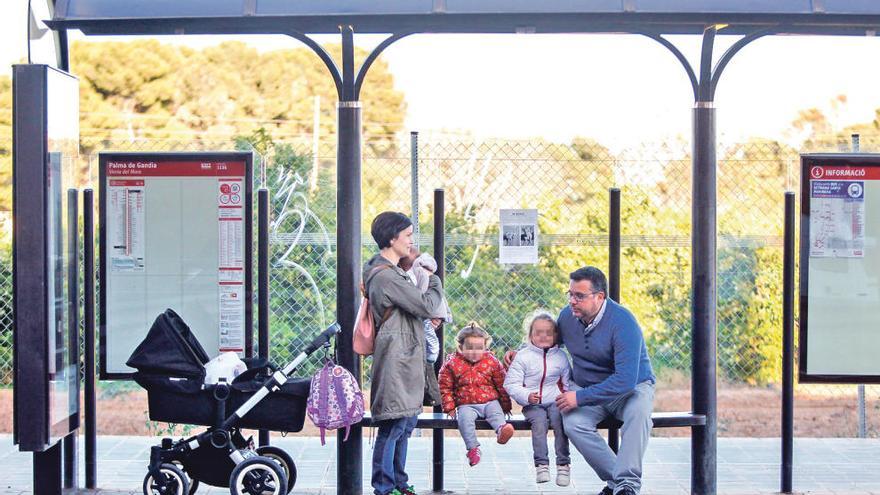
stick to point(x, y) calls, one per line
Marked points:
point(125, 225)
point(518, 237)
point(230, 218)
point(837, 219)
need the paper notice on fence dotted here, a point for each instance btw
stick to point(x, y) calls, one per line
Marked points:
point(125, 225)
point(837, 219)
point(518, 237)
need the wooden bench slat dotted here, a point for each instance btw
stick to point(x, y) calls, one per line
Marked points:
point(661, 420)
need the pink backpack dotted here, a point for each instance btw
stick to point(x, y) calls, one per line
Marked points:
point(335, 400)
point(364, 332)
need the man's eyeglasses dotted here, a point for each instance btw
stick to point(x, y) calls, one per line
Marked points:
point(577, 296)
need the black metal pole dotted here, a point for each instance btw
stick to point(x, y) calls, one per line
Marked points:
point(414, 183)
point(440, 256)
point(70, 441)
point(348, 235)
point(703, 246)
point(614, 275)
point(47, 471)
point(90, 430)
point(788, 344)
point(263, 284)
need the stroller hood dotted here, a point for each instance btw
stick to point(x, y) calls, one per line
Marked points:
point(169, 348)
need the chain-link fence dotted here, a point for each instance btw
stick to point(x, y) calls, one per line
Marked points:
point(568, 184)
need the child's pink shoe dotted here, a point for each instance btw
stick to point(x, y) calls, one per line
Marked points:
point(505, 433)
point(473, 456)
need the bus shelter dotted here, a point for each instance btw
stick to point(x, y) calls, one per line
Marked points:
point(655, 19)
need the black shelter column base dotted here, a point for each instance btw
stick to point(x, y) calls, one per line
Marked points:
point(47, 471)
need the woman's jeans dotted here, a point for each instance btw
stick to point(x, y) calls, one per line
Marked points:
point(389, 454)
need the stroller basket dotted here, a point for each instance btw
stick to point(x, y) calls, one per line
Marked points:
point(170, 363)
point(183, 400)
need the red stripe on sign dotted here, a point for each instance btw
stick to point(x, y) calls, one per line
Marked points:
point(149, 168)
point(125, 183)
point(230, 268)
point(231, 283)
point(231, 349)
point(229, 206)
point(229, 219)
point(821, 172)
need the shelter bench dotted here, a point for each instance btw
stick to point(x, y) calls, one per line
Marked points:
point(443, 422)
point(440, 421)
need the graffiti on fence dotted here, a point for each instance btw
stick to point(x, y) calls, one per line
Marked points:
point(292, 188)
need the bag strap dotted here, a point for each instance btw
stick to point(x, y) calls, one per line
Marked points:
point(370, 276)
point(346, 414)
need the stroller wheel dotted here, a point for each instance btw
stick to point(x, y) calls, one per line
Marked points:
point(175, 482)
point(258, 476)
point(284, 460)
point(193, 484)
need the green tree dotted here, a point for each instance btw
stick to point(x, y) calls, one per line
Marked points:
point(5, 144)
point(148, 90)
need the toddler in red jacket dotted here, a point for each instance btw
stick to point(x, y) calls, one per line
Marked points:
point(472, 387)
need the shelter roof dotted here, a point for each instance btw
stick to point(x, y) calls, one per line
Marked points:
point(843, 17)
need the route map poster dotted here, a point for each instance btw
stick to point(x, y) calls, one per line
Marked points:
point(837, 218)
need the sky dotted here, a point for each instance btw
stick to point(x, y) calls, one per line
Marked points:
point(623, 90)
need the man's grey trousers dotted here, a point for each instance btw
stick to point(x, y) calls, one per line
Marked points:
point(625, 467)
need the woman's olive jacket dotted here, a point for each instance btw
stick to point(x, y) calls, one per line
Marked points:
point(398, 371)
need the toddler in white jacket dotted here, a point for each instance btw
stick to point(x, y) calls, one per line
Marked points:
point(539, 372)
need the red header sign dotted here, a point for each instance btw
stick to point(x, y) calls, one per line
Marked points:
point(149, 168)
point(818, 172)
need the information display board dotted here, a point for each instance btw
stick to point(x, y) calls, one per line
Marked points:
point(840, 268)
point(46, 349)
point(175, 233)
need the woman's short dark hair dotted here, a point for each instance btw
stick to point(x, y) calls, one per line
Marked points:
point(387, 225)
point(594, 275)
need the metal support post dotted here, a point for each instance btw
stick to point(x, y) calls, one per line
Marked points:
point(863, 433)
point(703, 254)
point(440, 256)
point(348, 234)
point(788, 344)
point(70, 451)
point(90, 430)
point(414, 186)
point(614, 276)
point(263, 284)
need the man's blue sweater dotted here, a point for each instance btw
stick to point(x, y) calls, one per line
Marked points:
point(609, 360)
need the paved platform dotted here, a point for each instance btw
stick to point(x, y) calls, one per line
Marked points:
point(745, 466)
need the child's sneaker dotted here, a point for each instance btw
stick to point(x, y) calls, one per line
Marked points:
point(542, 473)
point(504, 433)
point(563, 475)
point(473, 456)
point(409, 490)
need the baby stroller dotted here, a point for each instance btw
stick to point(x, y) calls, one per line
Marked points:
point(170, 366)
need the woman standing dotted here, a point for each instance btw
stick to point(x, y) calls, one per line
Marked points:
point(398, 372)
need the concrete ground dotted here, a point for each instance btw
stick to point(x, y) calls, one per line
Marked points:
point(745, 466)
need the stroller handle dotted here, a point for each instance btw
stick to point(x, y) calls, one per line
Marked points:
point(323, 338)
